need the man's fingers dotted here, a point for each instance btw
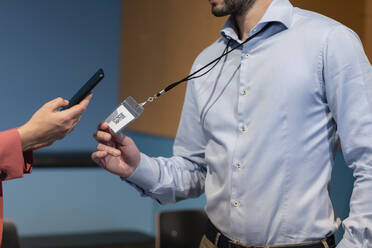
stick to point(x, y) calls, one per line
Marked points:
point(120, 138)
point(98, 156)
point(109, 149)
point(104, 126)
point(102, 136)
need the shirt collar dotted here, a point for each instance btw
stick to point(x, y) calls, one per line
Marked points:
point(278, 11)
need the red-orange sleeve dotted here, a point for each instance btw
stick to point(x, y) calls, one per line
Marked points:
point(13, 161)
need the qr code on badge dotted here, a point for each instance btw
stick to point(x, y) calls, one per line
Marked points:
point(118, 118)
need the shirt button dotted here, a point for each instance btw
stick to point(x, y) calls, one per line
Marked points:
point(247, 55)
point(244, 92)
point(244, 128)
point(239, 165)
point(236, 203)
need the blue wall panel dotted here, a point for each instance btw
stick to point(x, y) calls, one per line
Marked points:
point(75, 200)
point(49, 49)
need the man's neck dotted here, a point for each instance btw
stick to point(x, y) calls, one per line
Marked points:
point(248, 20)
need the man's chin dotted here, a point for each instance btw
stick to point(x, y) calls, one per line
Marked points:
point(219, 12)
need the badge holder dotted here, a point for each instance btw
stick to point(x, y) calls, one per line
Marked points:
point(128, 111)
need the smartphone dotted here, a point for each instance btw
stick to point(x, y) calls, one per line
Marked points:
point(85, 89)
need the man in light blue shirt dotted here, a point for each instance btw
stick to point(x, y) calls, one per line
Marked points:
point(259, 132)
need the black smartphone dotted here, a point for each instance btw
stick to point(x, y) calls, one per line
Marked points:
point(85, 89)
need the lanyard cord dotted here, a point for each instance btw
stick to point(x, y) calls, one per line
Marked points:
point(215, 61)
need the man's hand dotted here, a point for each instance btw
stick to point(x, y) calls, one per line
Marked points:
point(115, 153)
point(48, 124)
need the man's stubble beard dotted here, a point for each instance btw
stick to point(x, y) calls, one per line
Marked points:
point(233, 7)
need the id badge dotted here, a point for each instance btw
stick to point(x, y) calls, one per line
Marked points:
point(128, 111)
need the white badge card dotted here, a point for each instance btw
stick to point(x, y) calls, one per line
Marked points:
point(127, 111)
point(121, 117)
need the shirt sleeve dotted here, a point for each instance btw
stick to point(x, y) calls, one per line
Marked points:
point(13, 161)
point(348, 85)
point(182, 176)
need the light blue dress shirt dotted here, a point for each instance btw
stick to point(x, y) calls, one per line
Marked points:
point(258, 134)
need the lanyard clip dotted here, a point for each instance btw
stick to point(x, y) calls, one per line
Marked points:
point(152, 98)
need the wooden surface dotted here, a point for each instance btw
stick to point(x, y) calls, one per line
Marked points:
point(160, 40)
point(368, 29)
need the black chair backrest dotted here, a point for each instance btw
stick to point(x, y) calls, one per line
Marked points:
point(10, 235)
point(180, 229)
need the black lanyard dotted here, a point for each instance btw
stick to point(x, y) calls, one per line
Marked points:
point(215, 61)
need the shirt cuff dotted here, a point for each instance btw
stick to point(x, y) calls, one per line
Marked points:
point(29, 160)
point(146, 175)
